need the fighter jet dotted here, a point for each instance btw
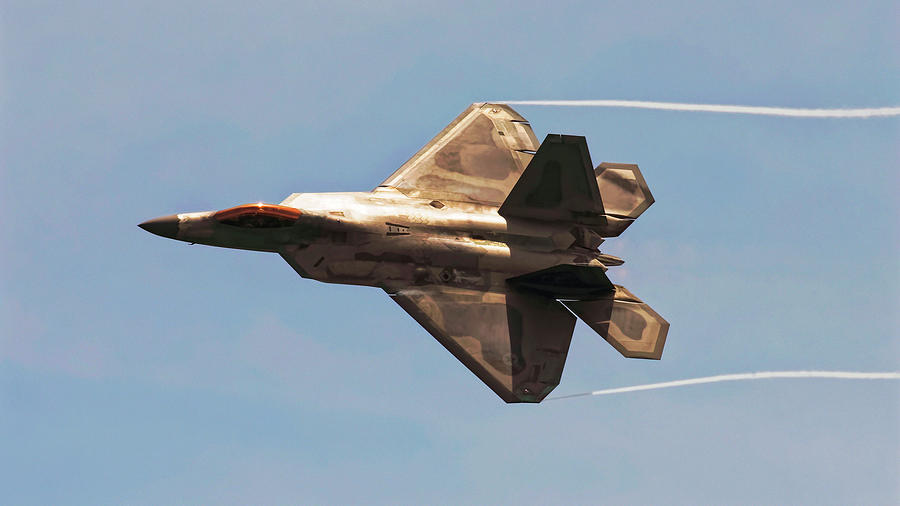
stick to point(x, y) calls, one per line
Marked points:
point(485, 237)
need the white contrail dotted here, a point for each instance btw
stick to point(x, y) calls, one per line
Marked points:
point(741, 377)
point(732, 109)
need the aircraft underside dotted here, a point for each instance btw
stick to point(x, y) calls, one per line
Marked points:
point(486, 238)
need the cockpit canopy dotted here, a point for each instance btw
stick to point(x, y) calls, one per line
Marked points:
point(258, 216)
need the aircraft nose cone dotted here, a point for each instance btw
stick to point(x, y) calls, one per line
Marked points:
point(165, 226)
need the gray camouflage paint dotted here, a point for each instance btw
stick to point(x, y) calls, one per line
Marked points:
point(444, 233)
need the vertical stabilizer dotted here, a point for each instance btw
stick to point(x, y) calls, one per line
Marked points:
point(560, 185)
point(557, 185)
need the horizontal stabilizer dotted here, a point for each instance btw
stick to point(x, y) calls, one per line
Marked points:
point(625, 196)
point(626, 322)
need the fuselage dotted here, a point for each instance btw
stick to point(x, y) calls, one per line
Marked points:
point(389, 240)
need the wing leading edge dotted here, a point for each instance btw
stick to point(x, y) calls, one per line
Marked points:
point(515, 342)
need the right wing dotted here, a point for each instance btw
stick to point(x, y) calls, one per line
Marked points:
point(515, 342)
point(476, 158)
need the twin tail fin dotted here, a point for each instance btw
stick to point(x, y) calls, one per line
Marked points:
point(560, 184)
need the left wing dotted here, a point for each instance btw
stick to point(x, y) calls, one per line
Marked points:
point(477, 158)
point(515, 342)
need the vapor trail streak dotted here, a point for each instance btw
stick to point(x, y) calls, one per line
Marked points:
point(731, 109)
point(844, 375)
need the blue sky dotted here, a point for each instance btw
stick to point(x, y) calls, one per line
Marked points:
point(144, 371)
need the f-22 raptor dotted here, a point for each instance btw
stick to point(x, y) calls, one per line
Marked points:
point(486, 238)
